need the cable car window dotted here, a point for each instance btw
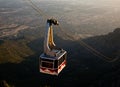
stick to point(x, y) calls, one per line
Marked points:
point(56, 64)
point(47, 60)
point(47, 64)
point(61, 60)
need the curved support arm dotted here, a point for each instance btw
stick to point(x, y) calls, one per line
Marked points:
point(49, 44)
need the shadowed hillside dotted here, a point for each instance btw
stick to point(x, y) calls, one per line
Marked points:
point(83, 68)
point(14, 51)
point(108, 44)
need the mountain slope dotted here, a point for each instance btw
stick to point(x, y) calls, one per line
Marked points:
point(14, 51)
point(108, 44)
point(83, 68)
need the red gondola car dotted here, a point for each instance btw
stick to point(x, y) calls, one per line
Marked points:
point(53, 60)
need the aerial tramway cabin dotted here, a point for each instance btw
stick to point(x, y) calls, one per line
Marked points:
point(53, 60)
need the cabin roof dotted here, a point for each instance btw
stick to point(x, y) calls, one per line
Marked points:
point(61, 53)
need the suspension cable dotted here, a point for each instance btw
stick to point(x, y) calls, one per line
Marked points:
point(37, 9)
point(81, 42)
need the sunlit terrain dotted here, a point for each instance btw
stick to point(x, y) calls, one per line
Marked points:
point(86, 16)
